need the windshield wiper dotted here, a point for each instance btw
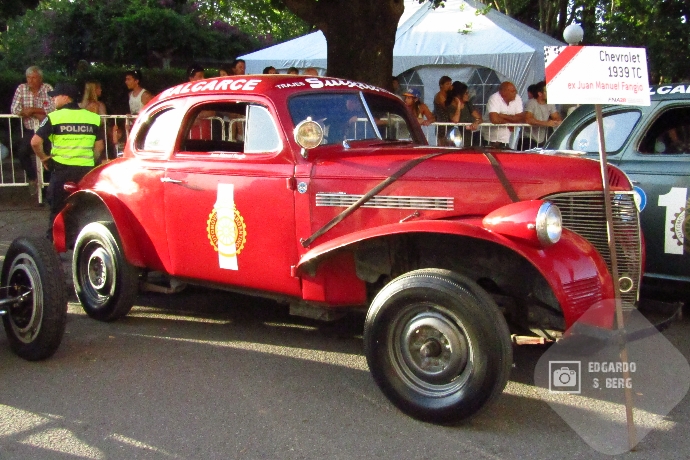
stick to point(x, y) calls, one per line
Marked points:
point(394, 141)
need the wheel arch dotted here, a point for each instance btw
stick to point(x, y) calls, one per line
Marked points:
point(86, 206)
point(488, 258)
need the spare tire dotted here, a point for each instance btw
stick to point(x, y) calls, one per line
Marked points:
point(34, 325)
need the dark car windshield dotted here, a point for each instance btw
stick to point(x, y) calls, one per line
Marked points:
point(345, 116)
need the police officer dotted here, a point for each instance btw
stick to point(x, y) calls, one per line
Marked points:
point(77, 144)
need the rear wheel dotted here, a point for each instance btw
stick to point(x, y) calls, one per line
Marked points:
point(437, 345)
point(104, 281)
point(36, 323)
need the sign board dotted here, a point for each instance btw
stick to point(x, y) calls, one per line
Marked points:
point(596, 75)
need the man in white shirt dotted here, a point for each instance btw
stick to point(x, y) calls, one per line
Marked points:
point(138, 98)
point(503, 107)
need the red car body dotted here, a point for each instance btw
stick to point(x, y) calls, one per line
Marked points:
point(243, 220)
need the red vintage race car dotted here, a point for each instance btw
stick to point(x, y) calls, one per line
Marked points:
point(324, 192)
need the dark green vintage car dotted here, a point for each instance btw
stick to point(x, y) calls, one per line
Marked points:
point(652, 145)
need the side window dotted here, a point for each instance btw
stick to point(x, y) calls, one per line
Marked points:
point(669, 134)
point(261, 134)
point(215, 128)
point(617, 128)
point(159, 132)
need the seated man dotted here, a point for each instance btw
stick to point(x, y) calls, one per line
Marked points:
point(540, 115)
point(503, 107)
point(669, 134)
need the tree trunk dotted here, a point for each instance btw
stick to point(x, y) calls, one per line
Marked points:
point(360, 35)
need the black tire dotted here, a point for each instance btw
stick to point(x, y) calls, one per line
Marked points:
point(437, 345)
point(34, 326)
point(105, 282)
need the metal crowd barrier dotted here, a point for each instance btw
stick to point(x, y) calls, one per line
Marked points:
point(522, 136)
point(115, 139)
point(11, 172)
point(12, 132)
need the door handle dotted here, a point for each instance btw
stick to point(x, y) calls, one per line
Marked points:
point(169, 180)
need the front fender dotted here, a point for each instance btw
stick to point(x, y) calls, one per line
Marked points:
point(86, 206)
point(576, 273)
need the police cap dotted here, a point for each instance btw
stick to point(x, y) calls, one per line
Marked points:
point(65, 89)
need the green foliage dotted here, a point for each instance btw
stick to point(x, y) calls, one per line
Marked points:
point(112, 81)
point(267, 20)
point(9, 79)
point(482, 11)
point(661, 26)
point(60, 33)
point(12, 8)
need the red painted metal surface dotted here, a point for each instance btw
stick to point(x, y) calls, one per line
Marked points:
point(168, 205)
point(516, 220)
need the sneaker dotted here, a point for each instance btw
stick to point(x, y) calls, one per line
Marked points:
point(32, 187)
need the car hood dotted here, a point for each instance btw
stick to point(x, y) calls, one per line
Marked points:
point(467, 176)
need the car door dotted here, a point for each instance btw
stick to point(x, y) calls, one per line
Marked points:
point(658, 162)
point(229, 200)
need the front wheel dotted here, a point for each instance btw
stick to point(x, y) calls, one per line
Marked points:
point(437, 345)
point(105, 283)
point(32, 273)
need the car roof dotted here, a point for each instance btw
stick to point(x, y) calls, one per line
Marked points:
point(670, 91)
point(274, 86)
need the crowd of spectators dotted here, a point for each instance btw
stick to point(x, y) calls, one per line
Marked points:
point(452, 104)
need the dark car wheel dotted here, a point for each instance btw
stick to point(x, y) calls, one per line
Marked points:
point(437, 345)
point(105, 282)
point(35, 325)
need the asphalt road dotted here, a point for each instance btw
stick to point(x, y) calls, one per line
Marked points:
point(212, 375)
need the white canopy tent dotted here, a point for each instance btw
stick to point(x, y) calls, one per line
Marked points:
point(480, 49)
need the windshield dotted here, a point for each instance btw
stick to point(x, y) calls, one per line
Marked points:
point(346, 117)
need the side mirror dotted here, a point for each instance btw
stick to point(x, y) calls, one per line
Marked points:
point(308, 134)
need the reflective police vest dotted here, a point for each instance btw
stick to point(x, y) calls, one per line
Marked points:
point(73, 136)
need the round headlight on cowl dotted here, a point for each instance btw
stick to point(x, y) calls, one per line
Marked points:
point(549, 224)
point(308, 134)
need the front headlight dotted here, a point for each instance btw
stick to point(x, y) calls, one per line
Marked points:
point(549, 224)
point(537, 222)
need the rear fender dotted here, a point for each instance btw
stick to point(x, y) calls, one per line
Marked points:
point(573, 268)
point(87, 206)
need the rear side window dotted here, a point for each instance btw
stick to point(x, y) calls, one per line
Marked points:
point(230, 127)
point(617, 129)
point(158, 133)
point(669, 134)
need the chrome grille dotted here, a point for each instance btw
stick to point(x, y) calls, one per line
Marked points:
point(584, 214)
point(342, 200)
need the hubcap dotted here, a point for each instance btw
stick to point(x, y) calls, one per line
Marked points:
point(25, 317)
point(433, 347)
point(100, 270)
